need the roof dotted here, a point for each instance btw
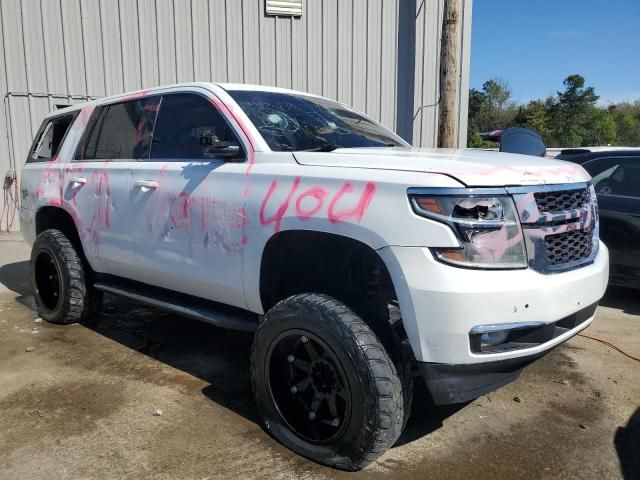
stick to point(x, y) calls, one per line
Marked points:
point(147, 91)
point(582, 155)
point(578, 150)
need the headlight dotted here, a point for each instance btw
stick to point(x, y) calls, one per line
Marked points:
point(485, 222)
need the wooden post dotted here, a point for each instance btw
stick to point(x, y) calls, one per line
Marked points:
point(449, 50)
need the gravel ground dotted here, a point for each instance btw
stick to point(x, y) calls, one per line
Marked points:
point(138, 393)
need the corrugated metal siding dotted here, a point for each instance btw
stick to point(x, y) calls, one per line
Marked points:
point(346, 49)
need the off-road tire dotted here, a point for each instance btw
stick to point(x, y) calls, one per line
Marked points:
point(385, 321)
point(75, 292)
point(376, 417)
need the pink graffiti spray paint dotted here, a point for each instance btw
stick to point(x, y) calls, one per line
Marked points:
point(356, 212)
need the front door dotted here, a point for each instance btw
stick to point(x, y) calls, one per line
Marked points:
point(617, 184)
point(189, 220)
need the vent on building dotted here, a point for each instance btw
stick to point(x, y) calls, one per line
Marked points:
point(291, 8)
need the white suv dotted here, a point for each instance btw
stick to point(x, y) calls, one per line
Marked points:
point(359, 261)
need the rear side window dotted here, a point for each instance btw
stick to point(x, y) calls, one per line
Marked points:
point(121, 131)
point(49, 139)
point(190, 127)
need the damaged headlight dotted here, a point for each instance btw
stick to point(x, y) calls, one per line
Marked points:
point(485, 222)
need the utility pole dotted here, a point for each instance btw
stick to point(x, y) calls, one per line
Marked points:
point(449, 50)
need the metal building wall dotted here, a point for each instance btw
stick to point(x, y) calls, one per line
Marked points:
point(65, 51)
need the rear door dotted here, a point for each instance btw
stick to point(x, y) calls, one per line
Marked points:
point(188, 209)
point(617, 184)
point(99, 181)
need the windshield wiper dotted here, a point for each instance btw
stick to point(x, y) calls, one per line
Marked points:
point(329, 147)
point(325, 147)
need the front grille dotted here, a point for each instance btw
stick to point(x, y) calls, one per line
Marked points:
point(562, 200)
point(568, 247)
point(559, 225)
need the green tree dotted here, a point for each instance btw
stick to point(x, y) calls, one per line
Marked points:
point(570, 118)
point(497, 93)
point(601, 128)
point(573, 113)
point(534, 115)
point(627, 119)
point(499, 110)
point(474, 140)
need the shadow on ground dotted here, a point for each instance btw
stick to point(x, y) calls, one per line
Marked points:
point(217, 356)
point(625, 299)
point(16, 277)
point(627, 442)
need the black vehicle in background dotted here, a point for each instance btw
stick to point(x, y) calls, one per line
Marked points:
point(616, 178)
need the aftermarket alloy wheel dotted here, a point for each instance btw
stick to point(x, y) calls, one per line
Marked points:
point(324, 384)
point(308, 386)
point(59, 279)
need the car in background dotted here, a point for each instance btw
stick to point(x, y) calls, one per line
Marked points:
point(616, 178)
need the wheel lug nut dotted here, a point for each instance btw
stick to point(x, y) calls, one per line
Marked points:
point(294, 389)
point(304, 339)
point(290, 358)
point(312, 415)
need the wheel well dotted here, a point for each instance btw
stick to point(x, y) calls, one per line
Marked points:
point(305, 261)
point(299, 261)
point(55, 217)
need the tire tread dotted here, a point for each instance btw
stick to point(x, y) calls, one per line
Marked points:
point(382, 387)
point(77, 306)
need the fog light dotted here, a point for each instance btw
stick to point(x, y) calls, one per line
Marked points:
point(491, 339)
point(503, 337)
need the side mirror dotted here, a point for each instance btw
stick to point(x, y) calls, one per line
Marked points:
point(211, 144)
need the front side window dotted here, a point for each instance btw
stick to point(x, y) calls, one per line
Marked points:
point(49, 140)
point(121, 131)
point(290, 122)
point(616, 176)
point(190, 127)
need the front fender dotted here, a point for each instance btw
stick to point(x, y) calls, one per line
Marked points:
point(370, 206)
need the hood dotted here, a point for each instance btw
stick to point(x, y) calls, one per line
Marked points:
point(474, 168)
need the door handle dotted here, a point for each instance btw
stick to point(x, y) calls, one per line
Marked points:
point(146, 185)
point(77, 181)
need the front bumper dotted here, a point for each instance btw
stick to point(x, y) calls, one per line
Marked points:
point(460, 383)
point(449, 384)
point(440, 304)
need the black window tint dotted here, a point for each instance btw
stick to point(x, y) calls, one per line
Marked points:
point(598, 165)
point(616, 176)
point(49, 139)
point(190, 127)
point(88, 149)
point(122, 131)
point(300, 122)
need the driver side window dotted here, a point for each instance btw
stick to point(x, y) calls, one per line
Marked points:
point(188, 126)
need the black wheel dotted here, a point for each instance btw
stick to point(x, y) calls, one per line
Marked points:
point(324, 383)
point(59, 279)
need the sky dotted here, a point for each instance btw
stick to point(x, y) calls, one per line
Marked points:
point(535, 44)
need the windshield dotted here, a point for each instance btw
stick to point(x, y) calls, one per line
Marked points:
point(290, 122)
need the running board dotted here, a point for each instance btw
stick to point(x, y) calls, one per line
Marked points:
point(193, 307)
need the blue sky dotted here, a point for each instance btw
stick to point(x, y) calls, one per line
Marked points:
point(535, 44)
